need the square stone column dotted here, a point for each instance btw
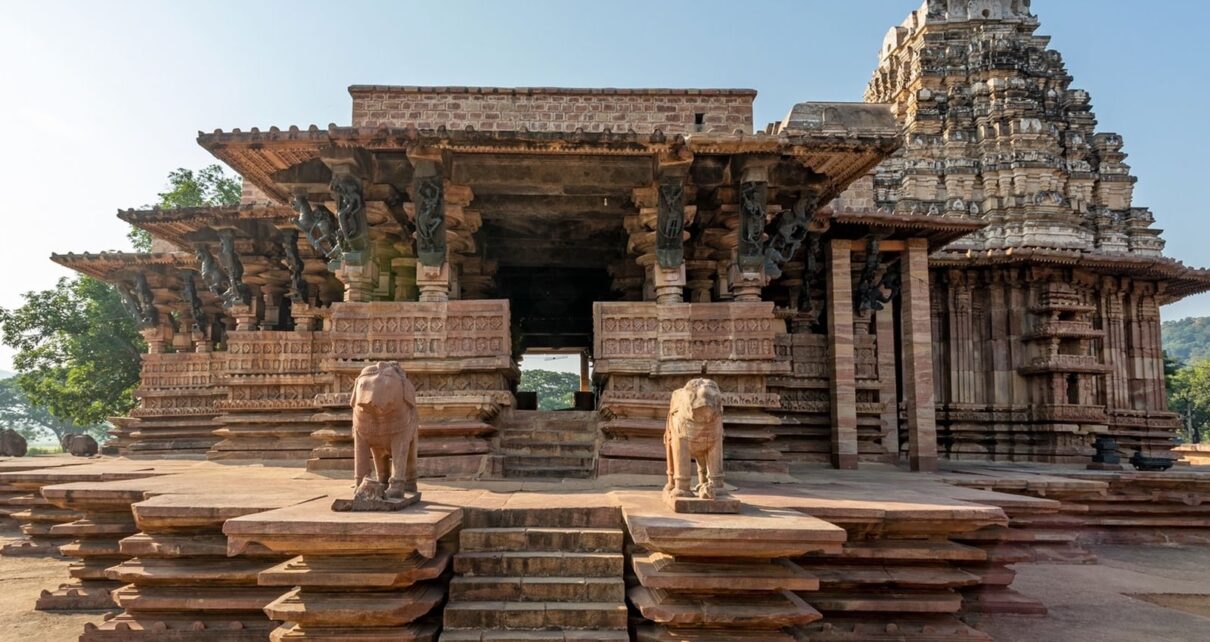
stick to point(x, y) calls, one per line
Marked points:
point(884, 321)
point(917, 342)
point(841, 355)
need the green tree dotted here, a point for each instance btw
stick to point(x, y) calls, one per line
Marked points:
point(78, 350)
point(1189, 395)
point(554, 388)
point(33, 421)
point(1187, 339)
point(207, 187)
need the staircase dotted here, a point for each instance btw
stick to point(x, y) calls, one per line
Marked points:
point(546, 443)
point(538, 574)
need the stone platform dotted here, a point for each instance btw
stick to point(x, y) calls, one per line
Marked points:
point(209, 551)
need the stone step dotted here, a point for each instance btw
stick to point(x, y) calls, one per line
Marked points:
point(583, 540)
point(535, 460)
point(547, 434)
point(885, 602)
point(538, 564)
point(532, 635)
point(538, 589)
point(546, 472)
point(556, 516)
point(536, 615)
point(541, 446)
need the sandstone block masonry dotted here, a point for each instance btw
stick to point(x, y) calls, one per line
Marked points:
point(673, 111)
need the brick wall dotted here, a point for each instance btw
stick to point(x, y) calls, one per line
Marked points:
point(554, 109)
point(252, 195)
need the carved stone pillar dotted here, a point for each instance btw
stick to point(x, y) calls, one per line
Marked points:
point(434, 282)
point(154, 336)
point(669, 283)
point(245, 317)
point(842, 359)
point(404, 271)
point(916, 342)
point(306, 317)
point(359, 280)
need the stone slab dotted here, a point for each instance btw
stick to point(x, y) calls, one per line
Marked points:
point(660, 571)
point(754, 532)
point(314, 528)
point(698, 505)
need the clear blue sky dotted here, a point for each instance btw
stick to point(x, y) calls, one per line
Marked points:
point(103, 99)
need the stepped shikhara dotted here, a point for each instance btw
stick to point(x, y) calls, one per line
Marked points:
point(1045, 321)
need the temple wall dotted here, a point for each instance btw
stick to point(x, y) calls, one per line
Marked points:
point(177, 394)
point(552, 109)
point(1033, 364)
point(645, 350)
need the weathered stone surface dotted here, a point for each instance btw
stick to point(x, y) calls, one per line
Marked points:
point(660, 571)
point(766, 611)
point(754, 532)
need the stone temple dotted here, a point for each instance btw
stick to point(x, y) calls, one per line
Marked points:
point(948, 278)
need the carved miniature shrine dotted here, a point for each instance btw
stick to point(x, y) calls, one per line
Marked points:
point(949, 274)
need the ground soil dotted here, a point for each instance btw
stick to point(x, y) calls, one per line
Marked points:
point(1134, 593)
point(21, 581)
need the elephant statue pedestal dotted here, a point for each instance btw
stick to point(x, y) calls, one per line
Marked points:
point(373, 495)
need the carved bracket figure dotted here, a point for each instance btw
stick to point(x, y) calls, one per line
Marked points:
point(148, 316)
point(237, 292)
point(430, 221)
point(189, 294)
point(351, 212)
point(131, 303)
point(694, 433)
point(319, 225)
point(670, 223)
point(212, 276)
point(298, 285)
point(790, 230)
point(869, 294)
point(753, 198)
point(386, 427)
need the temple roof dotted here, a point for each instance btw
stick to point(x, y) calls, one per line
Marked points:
point(108, 266)
point(182, 226)
point(841, 153)
point(939, 230)
point(1180, 280)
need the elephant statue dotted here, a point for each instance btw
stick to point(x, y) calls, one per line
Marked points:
point(694, 432)
point(385, 430)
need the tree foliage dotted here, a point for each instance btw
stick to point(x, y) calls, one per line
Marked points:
point(1189, 395)
point(554, 388)
point(33, 421)
point(207, 187)
point(1187, 340)
point(78, 350)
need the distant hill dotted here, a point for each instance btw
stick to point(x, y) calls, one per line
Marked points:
point(1187, 339)
point(5, 374)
